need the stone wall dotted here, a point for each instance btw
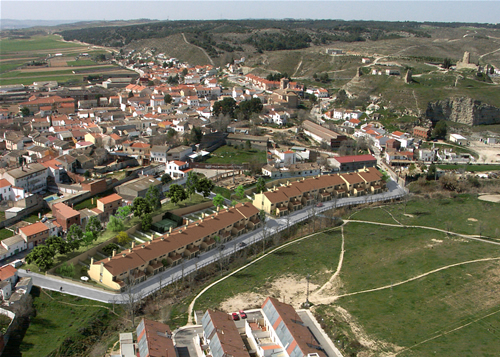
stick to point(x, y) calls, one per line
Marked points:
point(463, 110)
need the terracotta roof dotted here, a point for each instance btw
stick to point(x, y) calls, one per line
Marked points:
point(65, 210)
point(159, 345)
point(4, 183)
point(34, 229)
point(52, 164)
point(111, 198)
point(355, 158)
point(7, 271)
point(228, 335)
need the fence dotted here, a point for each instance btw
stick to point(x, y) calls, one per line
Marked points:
point(203, 165)
point(191, 209)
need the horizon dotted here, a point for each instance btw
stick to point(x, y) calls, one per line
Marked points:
point(393, 11)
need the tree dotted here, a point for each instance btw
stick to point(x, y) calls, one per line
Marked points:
point(195, 136)
point(115, 224)
point(108, 249)
point(205, 186)
point(57, 244)
point(261, 185)
point(123, 212)
point(446, 63)
point(94, 226)
point(153, 197)
point(146, 222)
point(240, 192)
point(191, 183)
point(140, 206)
point(184, 72)
point(168, 98)
point(42, 256)
point(218, 200)
point(440, 130)
point(224, 107)
point(431, 172)
point(25, 111)
point(166, 179)
point(176, 193)
point(74, 236)
point(248, 145)
point(122, 238)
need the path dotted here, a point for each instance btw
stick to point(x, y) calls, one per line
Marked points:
point(489, 53)
point(191, 305)
point(339, 266)
point(205, 52)
point(416, 102)
point(298, 66)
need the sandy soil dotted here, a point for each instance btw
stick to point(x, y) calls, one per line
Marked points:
point(490, 153)
point(289, 289)
point(490, 198)
point(60, 68)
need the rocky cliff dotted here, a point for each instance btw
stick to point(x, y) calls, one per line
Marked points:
point(463, 110)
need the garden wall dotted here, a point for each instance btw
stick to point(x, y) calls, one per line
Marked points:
point(191, 209)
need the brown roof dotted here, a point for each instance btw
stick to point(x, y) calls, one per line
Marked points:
point(352, 178)
point(177, 239)
point(65, 210)
point(34, 229)
point(159, 345)
point(111, 198)
point(7, 271)
point(300, 332)
point(227, 332)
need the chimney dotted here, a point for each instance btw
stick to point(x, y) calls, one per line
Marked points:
point(202, 216)
point(133, 244)
point(162, 238)
point(109, 259)
point(152, 236)
point(288, 182)
point(197, 224)
point(91, 260)
point(170, 229)
point(168, 234)
point(114, 252)
point(124, 255)
point(130, 250)
point(149, 242)
point(274, 188)
point(143, 246)
point(218, 208)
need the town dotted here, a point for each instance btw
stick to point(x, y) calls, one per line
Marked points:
point(134, 182)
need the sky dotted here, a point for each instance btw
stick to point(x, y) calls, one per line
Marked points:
point(446, 11)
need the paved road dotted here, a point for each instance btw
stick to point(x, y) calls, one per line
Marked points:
point(178, 272)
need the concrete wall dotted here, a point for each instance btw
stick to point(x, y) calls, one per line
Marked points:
point(191, 209)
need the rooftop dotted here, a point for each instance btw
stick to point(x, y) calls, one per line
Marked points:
point(34, 229)
point(26, 170)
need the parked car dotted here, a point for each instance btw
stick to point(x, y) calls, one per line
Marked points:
point(243, 314)
point(236, 317)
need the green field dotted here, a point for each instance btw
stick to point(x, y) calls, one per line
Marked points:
point(470, 168)
point(64, 326)
point(231, 155)
point(463, 214)
point(85, 62)
point(317, 256)
point(36, 43)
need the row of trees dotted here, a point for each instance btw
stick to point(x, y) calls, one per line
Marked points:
point(194, 184)
point(244, 110)
point(43, 255)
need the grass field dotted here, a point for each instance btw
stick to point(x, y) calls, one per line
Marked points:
point(63, 325)
point(231, 155)
point(80, 62)
point(316, 256)
point(5, 233)
point(470, 168)
point(36, 43)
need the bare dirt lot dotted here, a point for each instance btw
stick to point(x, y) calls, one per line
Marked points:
point(490, 153)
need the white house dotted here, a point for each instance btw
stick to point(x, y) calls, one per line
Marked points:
point(458, 139)
point(156, 100)
point(177, 169)
point(279, 117)
point(159, 153)
point(55, 169)
point(32, 178)
point(6, 191)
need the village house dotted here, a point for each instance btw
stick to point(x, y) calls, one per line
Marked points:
point(323, 135)
point(177, 169)
point(34, 234)
point(12, 245)
point(109, 205)
point(65, 215)
point(139, 262)
point(137, 187)
point(421, 133)
point(32, 178)
point(154, 339)
point(352, 162)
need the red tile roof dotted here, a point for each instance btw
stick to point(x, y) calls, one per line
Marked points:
point(355, 158)
point(4, 183)
point(111, 198)
point(7, 271)
point(34, 228)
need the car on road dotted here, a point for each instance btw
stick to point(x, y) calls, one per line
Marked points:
point(243, 314)
point(235, 315)
point(320, 204)
point(242, 244)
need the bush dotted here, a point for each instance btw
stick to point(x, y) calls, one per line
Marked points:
point(122, 238)
point(108, 249)
point(66, 270)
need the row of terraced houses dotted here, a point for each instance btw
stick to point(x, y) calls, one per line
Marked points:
point(139, 262)
point(293, 196)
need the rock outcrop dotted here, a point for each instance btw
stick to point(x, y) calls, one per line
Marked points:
point(463, 110)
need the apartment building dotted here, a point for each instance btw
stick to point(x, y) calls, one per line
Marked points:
point(222, 336)
point(139, 262)
point(293, 196)
point(31, 178)
point(352, 162)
